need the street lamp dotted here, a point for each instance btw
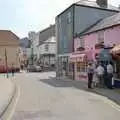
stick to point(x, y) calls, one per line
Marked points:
point(6, 63)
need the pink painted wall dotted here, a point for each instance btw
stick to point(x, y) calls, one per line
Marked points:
point(90, 41)
point(112, 35)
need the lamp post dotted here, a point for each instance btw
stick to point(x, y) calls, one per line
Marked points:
point(6, 63)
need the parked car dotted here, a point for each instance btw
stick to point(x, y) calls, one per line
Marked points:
point(38, 68)
point(33, 68)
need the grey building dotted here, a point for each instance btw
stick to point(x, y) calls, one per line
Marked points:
point(77, 18)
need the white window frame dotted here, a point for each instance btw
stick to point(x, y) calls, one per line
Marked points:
point(82, 42)
point(100, 36)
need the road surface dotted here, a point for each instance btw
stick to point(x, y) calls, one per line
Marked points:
point(44, 99)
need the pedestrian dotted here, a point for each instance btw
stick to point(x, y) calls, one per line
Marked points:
point(13, 69)
point(105, 74)
point(100, 75)
point(110, 75)
point(90, 71)
point(95, 78)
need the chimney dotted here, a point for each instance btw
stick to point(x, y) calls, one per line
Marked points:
point(102, 3)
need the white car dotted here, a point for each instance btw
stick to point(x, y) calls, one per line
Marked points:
point(38, 68)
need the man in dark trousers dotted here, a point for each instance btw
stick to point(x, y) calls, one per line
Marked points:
point(110, 75)
point(90, 71)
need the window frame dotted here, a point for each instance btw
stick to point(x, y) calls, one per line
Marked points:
point(100, 36)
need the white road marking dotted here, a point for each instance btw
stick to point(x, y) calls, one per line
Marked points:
point(108, 101)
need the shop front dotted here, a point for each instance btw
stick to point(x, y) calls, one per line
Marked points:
point(80, 62)
point(116, 57)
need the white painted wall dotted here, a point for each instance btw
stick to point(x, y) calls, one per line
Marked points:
point(51, 46)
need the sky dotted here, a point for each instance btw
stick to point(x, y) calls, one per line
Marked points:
point(22, 16)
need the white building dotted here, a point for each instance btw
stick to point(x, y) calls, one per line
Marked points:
point(47, 50)
point(44, 45)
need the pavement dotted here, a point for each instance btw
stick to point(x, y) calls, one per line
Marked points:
point(44, 98)
point(7, 90)
point(113, 94)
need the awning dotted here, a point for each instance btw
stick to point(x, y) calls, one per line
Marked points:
point(78, 57)
point(116, 49)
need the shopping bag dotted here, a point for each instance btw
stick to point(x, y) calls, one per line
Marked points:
point(112, 81)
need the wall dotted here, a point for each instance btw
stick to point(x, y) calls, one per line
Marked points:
point(65, 32)
point(86, 16)
point(12, 56)
point(112, 35)
point(51, 49)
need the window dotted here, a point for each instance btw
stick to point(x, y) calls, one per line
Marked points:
point(100, 37)
point(46, 47)
point(81, 67)
point(82, 42)
point(64, 43)
point(69, 18)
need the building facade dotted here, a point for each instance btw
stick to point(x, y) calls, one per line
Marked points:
point(9, 50)
point(76, 19)
point(47, 52)
point(102, 36)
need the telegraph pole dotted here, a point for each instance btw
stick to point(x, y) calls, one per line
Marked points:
point(6, 63)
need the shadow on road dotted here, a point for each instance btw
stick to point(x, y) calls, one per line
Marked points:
point(66, 83)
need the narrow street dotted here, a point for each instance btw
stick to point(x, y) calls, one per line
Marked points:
point(44, 99)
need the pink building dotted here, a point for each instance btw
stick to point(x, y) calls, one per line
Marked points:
point(106, 33)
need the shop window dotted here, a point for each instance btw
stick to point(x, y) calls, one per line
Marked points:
point(81, 67)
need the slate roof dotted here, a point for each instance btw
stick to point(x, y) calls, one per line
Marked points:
point(46, 34)
point(105, 23)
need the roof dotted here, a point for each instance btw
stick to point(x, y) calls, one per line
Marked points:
point(91, 4)
point(46, 34)
point(105, 23)
point(7, 35)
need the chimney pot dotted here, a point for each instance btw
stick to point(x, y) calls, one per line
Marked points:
point(102, 3)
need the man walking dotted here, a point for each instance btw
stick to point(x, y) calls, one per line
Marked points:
point(90, 71)
point(100, 74)
point(110, 75)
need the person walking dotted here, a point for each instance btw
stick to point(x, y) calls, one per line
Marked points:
point(110, 75)
point(100, 75)
point(90, 71)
